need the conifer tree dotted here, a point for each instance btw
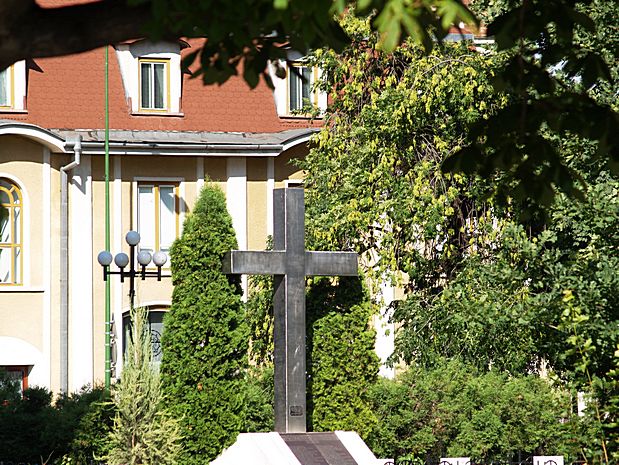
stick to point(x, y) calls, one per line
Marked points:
point(205, 337)
point(342, 364)
point(144, 433)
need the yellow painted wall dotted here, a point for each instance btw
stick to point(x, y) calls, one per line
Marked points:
point(21, 316)
point(285, 169)
point(215, 171)
point(256, 203)
point(22, 313)
point(57, 161)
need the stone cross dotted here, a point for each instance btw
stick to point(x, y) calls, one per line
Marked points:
point(290, 263)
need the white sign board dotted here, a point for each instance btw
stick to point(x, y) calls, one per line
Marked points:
point(455, 461)
point(548, 460)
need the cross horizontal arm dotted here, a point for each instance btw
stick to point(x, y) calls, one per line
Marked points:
point(254, 262)
point(331, 264)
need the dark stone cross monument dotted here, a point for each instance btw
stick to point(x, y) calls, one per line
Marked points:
point(290, 263)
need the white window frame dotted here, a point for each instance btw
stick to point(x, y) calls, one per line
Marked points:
point(152, 62)
point(129, 58)
point(295, 73)
point(8, 84)
point(26, 243)
point(16, 88)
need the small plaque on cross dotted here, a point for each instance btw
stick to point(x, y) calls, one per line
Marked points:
point(290, 263)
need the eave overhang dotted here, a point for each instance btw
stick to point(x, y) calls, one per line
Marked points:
point(194, 144)
point(164, 143)
point(30, 131)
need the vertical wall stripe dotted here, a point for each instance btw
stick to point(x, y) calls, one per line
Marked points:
point(236, 199)
point(81, 292)
point(269, 199)
point(117, 234)
point(199, 174)
point(47, 274)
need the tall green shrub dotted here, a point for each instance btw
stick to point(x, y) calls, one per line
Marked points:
point(205, 338)
point(90, 441)
point(144, 432)
point(342, 364)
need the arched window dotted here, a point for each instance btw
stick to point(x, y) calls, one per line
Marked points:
point(11, 233)
point(155, 322)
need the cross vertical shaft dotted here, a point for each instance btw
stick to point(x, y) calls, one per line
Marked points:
point(289, 312)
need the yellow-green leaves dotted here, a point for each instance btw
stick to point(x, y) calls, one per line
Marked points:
point(374, 180)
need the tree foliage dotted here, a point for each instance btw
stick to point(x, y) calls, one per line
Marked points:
point(240, 34)
point(259, 412)
point(374, 178)
point(91, 439)
point(341, 362)
point(205, 338)
point(545, 299)
point(552, 73)
point(259, 315)
point(485, 283)
point(144, 433)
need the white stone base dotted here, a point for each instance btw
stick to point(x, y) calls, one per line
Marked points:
point(270, 449)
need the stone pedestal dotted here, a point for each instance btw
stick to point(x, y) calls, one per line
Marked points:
point(336, 448)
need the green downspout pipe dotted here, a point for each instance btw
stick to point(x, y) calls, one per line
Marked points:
point(108, 325)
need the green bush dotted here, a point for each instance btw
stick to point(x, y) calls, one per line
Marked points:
point(341, 362)
point(91, 439)
point(205, 341)
point(453, 410)
point(34, 429)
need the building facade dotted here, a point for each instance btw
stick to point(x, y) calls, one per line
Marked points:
point(169, 135)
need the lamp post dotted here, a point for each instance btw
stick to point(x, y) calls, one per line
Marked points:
point(121, 260)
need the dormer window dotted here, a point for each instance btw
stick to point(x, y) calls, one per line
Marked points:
point(151, 76)
point(300, 82)
point(295, 94)
point(154, 84)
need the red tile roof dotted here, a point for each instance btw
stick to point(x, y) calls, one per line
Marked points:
point(69, 94)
